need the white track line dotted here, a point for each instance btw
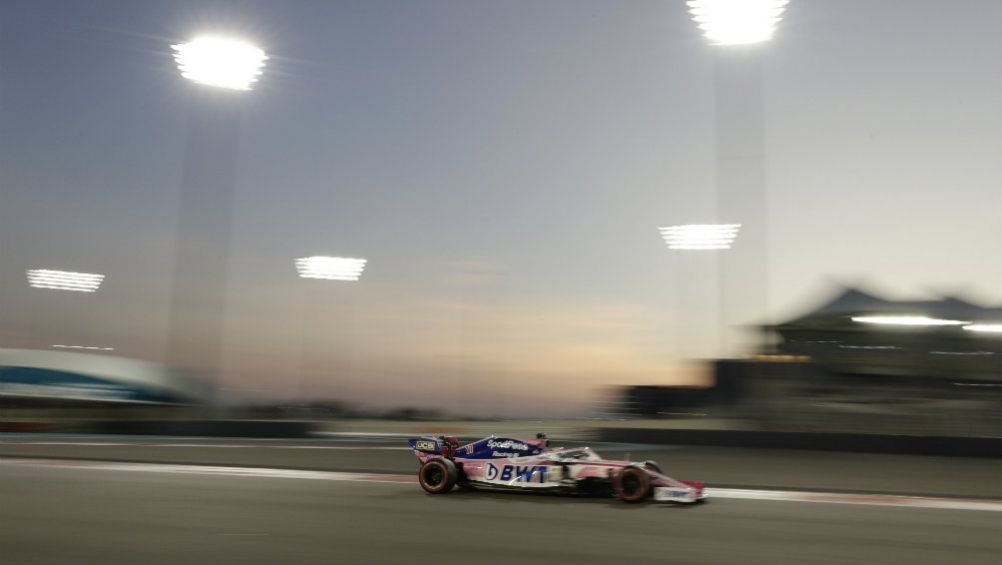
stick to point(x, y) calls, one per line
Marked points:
point(851, 498)
point(171, 468)
point(712, 493)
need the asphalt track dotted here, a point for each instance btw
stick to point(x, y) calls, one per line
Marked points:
point(58, 512)
point(717, 466)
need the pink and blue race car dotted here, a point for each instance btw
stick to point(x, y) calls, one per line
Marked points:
point(530, 464)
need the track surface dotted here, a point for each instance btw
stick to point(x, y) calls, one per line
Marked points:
point(733, 467)
point(81, 515)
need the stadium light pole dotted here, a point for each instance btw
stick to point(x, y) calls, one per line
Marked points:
point(700, 237)
point(80, 325)
point(737, 31)
point(329, 270)
point(704, 237)
point(220, 70)
point(737, 22)
point(64, 280)
point(220, 62)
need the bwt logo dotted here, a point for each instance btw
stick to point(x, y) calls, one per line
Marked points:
point(517, 473)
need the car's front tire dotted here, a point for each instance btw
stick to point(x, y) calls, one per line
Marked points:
point(632, 484)
point(438, 476)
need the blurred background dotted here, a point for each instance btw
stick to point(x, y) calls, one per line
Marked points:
point(542, 210)
point(248, 248)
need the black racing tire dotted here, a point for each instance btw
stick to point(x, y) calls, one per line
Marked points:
point(438, 476)
point(632, 484)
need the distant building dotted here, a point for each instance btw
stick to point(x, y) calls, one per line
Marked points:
point(40, 377)
point(861, 364)
point(666, 401)
point(858, 333)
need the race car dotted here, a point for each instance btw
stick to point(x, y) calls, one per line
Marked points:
point(522, 464)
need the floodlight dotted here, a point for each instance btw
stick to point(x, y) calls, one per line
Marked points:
point(86, 347)
point(330, 268)
point(64, 280)
point(907, 321)
point(700, 236)
point(736, 22)
point(984, 328)
point(220, 61)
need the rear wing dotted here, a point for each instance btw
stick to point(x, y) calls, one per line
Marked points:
point(426, 445)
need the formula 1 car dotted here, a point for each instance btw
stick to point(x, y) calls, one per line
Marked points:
point(521, 464)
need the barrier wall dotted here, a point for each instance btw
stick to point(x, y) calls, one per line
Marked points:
point(862, 443)
point(205, 428)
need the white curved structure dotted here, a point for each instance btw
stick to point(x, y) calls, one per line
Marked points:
point(60, 375)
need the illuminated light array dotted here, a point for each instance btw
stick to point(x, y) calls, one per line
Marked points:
point(737, 22)
point(984, 328)
point(220, 61)
point(907, 321)
point(87, 347)
point(330, 268)
point(700, 236)
point(64, 280)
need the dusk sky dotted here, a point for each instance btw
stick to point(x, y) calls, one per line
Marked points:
point(504, 167)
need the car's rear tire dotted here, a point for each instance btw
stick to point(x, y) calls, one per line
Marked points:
point(632, 484)
point(438, 476)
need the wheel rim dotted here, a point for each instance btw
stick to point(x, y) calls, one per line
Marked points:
point(434, 475)
point(630, 484)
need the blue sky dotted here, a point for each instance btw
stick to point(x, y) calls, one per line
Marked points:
point(504, 166)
